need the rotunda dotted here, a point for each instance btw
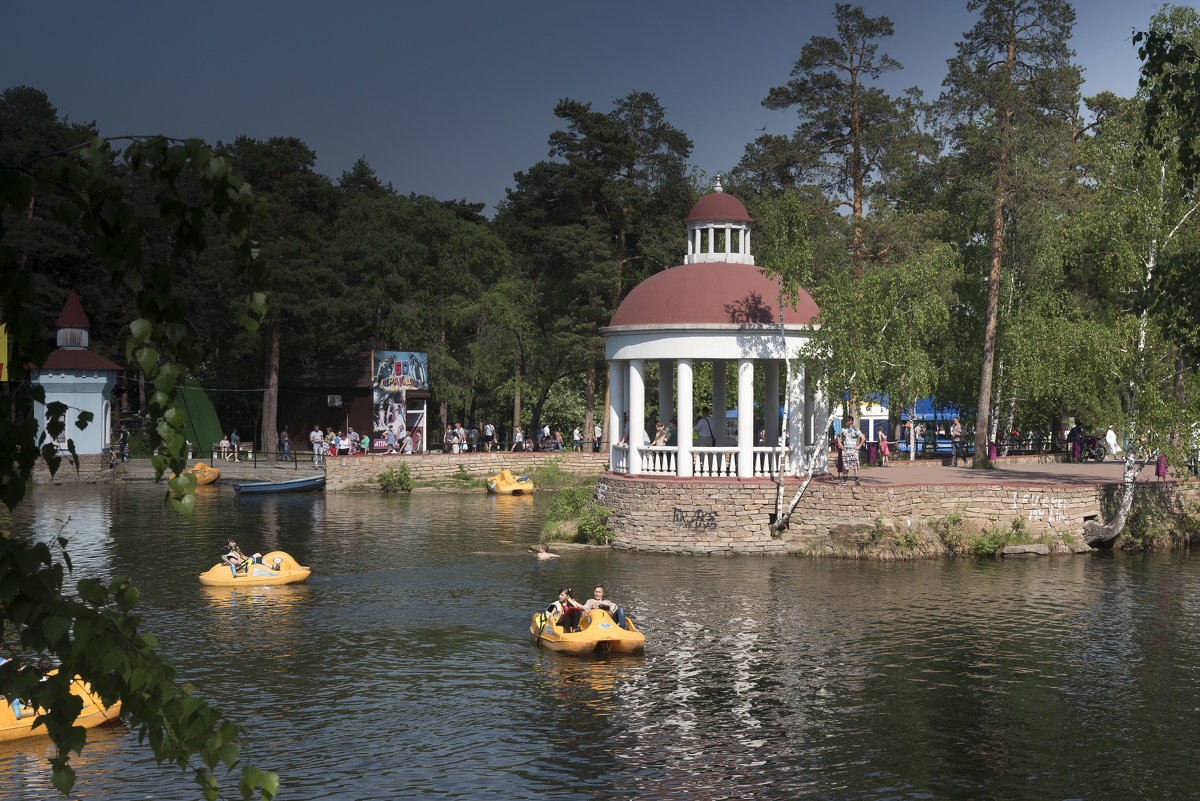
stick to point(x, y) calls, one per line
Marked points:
point(716, 307)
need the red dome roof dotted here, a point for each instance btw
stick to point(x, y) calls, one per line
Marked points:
point(710, 293)
point(719, 206)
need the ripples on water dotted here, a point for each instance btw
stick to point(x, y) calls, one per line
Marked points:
point(402, 669)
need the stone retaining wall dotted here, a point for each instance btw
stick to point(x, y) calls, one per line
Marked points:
point(344, 472)
point(93, 469)
point(735, 515)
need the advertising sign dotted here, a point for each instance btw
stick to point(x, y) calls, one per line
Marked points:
point(396, 372)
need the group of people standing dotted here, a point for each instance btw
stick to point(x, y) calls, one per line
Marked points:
point(335, 443)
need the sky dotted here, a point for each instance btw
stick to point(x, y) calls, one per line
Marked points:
point(452, 99)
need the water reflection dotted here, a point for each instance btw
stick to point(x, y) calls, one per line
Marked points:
point(403, 668)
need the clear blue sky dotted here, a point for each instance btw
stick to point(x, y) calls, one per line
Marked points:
point(450, 99)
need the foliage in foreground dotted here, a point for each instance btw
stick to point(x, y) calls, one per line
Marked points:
point(90, 629)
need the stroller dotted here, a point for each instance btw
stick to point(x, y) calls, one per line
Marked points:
point(1093, 448)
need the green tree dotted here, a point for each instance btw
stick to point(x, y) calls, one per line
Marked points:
point(89, 629)
point(1148, 215)
point(847, 127)
point(309, 295)
point(585, 228)
point(1169, 82)
point(1012, 74)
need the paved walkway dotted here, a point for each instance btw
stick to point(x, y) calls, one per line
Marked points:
point(903, 472)
point(142, 469)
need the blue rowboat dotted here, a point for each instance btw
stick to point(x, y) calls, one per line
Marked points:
point(303, 484)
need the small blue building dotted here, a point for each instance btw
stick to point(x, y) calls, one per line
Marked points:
point(83, 380)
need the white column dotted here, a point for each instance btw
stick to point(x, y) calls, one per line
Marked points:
point(664, 390)
point(728, 238)
point(746, 250)
point(797, 420)
point(683, 416)
point(745, 426)
point(616, 400)
point(720, 404)
point(637, 413)
point(771, 401)
point(689, 239)
point(711, 236)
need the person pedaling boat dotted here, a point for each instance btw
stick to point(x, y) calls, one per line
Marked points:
point(566, 611)
point(598, 601)
point(238, 562)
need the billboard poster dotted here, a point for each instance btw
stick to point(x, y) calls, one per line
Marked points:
point(395, 373)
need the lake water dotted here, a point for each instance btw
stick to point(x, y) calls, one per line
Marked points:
point(403, 668)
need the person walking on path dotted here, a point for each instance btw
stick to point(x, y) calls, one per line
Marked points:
point(883, 445)
point(956, 435)
point(851, 439)
point(1110, 443)
point(1075, 441)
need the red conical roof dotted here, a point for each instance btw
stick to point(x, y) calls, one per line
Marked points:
point(72, 315)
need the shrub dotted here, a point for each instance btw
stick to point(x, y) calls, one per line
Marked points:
point(396, 479)
point(462, 474)
point(986, 544)
point(951, 532)
point(593, 525)
point(576, 504)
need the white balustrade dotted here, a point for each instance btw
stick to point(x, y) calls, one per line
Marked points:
point(619, 459)
point(714, 462)
point(766, 462)
point(660, 460)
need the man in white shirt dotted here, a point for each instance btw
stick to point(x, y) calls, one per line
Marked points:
point(315, 439)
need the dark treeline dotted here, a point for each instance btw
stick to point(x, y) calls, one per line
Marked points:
point(996, 245)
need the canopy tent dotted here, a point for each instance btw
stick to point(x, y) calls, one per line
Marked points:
point(202, 428)
point(930, 408)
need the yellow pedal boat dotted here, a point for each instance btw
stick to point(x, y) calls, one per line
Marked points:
point(203, 473)
point(276, 567)
point(93, 713)
point(598, 631)
point(505, 483)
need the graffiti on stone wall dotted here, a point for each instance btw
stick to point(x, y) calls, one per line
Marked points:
point(694, 519)
point(1041, 507)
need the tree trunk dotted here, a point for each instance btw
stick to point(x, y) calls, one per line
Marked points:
point(983, 410)
point(269, 433)
point(1133, 462)
point(589, 401)
point(516, 418)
